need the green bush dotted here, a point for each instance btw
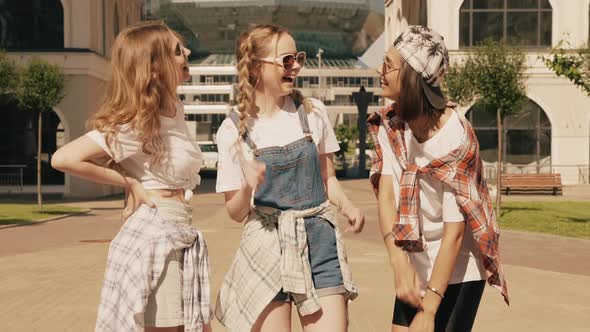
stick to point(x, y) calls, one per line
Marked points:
point(574, 65)
point(9, 77)
point(42, 86)
point(345, 135)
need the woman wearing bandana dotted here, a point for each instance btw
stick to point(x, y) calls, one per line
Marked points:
point(435, 212)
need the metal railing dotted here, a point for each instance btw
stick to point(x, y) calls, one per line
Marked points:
point(12, 175)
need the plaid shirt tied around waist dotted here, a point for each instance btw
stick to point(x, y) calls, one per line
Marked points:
point(136, 261)
point(461, 169)
point(274, 254)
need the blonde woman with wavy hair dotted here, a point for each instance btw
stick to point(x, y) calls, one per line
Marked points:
point(276, 171)
point(157, 273)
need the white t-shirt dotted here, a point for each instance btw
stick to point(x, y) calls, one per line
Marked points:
point(180, 166)
point(277, 129)
point(437, 200)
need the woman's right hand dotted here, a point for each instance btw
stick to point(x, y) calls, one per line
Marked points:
point(135, 195)
point(407, 284)
point(239, 202)
point(254, 173)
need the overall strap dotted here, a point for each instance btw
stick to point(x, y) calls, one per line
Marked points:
point(235, 117)
point(303, 118)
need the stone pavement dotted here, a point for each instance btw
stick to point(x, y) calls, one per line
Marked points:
point(51, 274)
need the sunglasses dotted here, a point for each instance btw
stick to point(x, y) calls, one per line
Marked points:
point(387, 67)
point(287, 61)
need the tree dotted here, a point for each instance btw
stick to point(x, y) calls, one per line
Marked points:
point(457, 86)
point(574, 65)
point(41, 88)
point(493, 73)
point(345, 134)
point(9, 77)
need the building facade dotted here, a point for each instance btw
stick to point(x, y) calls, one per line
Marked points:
point(210, 94)
point(76, 35)
point(552, 133)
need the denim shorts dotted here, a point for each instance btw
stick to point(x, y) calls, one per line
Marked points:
point(323, 258)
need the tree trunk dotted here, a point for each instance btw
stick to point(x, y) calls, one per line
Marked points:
point(39, 141)
point(499, 167)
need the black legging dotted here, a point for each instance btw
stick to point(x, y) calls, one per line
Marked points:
point(456, 312)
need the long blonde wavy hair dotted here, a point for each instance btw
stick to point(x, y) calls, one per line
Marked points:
point(251, 46)
point(144, 77)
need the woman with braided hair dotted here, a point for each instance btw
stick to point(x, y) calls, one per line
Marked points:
point(276, 171)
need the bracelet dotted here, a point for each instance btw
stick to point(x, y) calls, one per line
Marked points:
point(388, 234)
point(435, 291)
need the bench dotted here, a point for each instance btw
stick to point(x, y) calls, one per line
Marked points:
point(546, 183)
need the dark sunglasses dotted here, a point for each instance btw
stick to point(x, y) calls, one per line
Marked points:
point(287, 61)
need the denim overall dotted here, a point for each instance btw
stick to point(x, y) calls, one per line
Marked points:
point(293, 180)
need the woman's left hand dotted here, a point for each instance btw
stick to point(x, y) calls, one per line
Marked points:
point(422, 322)
point(356, 218)
point(135, 196)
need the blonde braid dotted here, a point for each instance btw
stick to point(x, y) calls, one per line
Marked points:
point(246, 91)
point(298, 97)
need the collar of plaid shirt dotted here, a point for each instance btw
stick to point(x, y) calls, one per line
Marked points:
point(461, 170)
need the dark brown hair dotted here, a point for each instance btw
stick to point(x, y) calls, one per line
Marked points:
point(412, 100)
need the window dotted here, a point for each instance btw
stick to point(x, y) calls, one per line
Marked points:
point(20, 126)
point(526, 23)
point(31, 24)
point(212, 99)
point(527, 135)
point(218, 79)
point(342, 100)
point(204, 126)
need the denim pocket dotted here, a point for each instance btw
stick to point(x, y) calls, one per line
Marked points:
point(291, 180)
point(320, 233)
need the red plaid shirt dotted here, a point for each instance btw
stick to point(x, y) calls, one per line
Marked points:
point(461, 169)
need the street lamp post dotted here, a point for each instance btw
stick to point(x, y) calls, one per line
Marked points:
point(319, 56)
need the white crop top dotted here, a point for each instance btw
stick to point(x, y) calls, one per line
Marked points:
point(180, 166)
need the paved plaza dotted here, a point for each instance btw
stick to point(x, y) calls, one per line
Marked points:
point(51, 273)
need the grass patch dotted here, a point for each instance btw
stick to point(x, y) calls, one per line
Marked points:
point(13, 213)
point(558, 218)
